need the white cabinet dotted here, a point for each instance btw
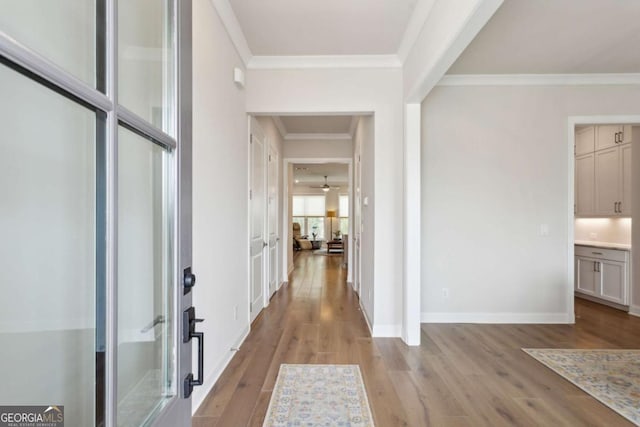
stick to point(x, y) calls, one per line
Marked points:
point(612, 135)
point(585, 184)
point(607, 176)
point(602, 273)
point(603, 176)
point(585, 140)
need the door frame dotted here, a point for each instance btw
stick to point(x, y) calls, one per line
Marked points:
point(286, 224)
point(278, 244)
point(572, 122)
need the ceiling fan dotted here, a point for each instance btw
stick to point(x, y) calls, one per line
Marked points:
point(325, 187)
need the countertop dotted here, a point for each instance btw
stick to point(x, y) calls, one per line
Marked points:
point(604, 245)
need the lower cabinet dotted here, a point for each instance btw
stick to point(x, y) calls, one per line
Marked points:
point(602, 273)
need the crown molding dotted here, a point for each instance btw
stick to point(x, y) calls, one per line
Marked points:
point(230, 22)
point(323, 61)
point(417, 21)
point(317, 136)
point(539, 79)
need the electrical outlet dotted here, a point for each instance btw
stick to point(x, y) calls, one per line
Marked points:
point(445, 293)
point(235, 312)
point(543, 230)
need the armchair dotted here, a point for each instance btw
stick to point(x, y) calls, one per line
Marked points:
point(299, 241)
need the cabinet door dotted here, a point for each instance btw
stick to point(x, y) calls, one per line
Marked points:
point(625, 179)
point(606, 136)
point(585, 140)
point(614, 282)
point(587, 280)
point(607, 175)
point(626, 134)
point(585, 184)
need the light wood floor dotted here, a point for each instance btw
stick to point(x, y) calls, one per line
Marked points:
point(461, 375)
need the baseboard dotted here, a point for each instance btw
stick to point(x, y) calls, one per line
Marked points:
point(210, 381)
point(366, 319)
point(625, 308)
point(387, 331)
point(634, 310)
point(495, 318)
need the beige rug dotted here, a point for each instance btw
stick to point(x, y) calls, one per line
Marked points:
point(611, 376)
point(319, 395)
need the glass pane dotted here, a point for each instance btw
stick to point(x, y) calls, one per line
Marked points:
point(344, 206)
point(146, 61)
point(300, 220)
point(146, 353)
point(316, 225)
point(344, 226)
point(47, 249)
point(64, 31)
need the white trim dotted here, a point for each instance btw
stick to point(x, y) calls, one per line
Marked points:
point(210, 381)
point(498, 318)
point(572, 122)
point(366, 319)
point(634, 310)
point(353, 125)
point(469, 29)
point(264, 62)
point(386, 331)
point(317, 136)
point(539, 79)
point(416, 23)
point(280, 126)
point(412, 225)
point(231, 24)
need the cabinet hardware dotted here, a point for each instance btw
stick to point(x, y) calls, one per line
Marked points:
point(597, 253)
point(598, 266)
point(594, 266)
point(619, 207)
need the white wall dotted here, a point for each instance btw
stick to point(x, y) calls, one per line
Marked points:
point(610, 230)
point(220, 193)
point(377, 91)
point(321, 148)
point(495, 167)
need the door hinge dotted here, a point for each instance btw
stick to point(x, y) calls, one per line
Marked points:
point(358, 157)
point(250, 194)
point(250, 307)
point(269, 157)
point(251, 139)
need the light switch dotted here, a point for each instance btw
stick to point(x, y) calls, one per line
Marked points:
point(544, 230)
point(365, 201)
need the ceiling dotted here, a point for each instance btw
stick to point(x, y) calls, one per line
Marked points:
point(556, 37)
point(313, 174)
point(326, 27)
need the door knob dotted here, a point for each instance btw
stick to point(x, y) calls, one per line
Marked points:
point(188, 280)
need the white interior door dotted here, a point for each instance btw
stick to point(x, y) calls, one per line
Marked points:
point(257, 219)
point(274, 237)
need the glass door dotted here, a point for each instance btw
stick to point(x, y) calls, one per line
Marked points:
point(95, 226)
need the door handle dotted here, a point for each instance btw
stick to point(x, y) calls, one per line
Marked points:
point(159, 319)
point(188, 332)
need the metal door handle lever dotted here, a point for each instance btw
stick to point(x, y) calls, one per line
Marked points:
point(159, 319)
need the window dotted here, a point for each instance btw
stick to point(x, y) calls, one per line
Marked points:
point(309, 212)
point(344, 213)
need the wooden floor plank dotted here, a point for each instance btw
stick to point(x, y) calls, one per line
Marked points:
point(461, 375)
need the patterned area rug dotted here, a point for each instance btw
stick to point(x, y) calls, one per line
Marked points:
point(611, 376)
point(319, 395)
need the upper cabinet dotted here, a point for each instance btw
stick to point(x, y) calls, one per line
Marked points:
point(603, 171)
point(611, 135)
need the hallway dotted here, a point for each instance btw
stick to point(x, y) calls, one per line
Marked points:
point(461, 375)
